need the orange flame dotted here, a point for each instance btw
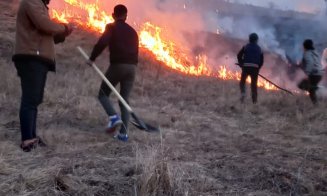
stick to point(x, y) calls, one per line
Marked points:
point(92, 17)
point(88, 15)
point(165, 51)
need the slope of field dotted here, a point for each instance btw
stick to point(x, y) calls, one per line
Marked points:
point(209, 143)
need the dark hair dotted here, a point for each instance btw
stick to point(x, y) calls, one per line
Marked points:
point(120, 10)
point(253, 38)
point(46, 2)
point(308, 44)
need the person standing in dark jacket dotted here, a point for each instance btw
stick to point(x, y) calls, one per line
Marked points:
point(251, 59)
point(123, 43)
point(34, 56)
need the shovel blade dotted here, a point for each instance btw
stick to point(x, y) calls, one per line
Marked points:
point(138, 123)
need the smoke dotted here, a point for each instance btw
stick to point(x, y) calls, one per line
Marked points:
point(282, 27)
point(309, 6)
point(178, 17)
point(281, 39)
point(173, 16)
point(322, 92)
point(241, 28)
point(193, 25)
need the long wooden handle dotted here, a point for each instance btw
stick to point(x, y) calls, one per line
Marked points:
point(121, 99)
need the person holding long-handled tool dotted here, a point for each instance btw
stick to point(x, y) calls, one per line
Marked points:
point(123, 44)
point(312, 67)
point(251, 59)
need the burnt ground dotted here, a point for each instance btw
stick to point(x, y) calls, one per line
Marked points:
point(209, 143)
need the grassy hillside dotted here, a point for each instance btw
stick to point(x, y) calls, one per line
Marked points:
point(209, 143)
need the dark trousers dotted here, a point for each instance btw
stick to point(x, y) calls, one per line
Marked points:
point(33, 75)
point(253, 73)
point(311, 85)
point(123, 74)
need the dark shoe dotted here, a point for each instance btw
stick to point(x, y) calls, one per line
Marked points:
point(29, 147)
point(122, 137)
point(40, 142)
point(304, 85)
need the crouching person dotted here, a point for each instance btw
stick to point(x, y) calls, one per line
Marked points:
point(312, 67)
point(123, 43)
point(251, 59)
point(34, 56)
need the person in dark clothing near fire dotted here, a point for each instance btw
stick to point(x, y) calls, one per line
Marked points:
point(34, 56)
point(251, 59)
point(312, 67)
point(123, 43)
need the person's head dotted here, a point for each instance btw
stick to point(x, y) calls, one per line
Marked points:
point(308, 44)
point(46, 1)
point(253, 38)
point(120, 12)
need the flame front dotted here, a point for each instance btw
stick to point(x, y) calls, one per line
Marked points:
point(89, 15)
point(92, 17)
point(165, 51)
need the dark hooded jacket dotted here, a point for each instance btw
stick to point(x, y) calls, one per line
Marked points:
point(251, 55)
point(122, 41)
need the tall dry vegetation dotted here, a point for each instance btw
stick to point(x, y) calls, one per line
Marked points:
point(209, 144)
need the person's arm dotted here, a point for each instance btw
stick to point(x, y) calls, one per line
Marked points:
point(307, 62)
point(102, 43)
point(262, 60)
point(39, 16)
point(240, 57)
point(60, 38)
point(301, 64)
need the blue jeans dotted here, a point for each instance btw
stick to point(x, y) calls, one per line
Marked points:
point(33, 75)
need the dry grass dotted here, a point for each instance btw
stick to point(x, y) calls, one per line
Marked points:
point(209, 144)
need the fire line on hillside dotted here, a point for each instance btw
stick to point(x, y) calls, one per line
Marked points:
point(92, 17)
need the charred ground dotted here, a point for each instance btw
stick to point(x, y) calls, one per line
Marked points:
point(209, 144)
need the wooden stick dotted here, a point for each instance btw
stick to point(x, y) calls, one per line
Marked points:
point(121, 99)
point(278, 87)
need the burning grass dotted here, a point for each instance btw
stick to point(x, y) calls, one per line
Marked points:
point(92, 16)
point(209, 144)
